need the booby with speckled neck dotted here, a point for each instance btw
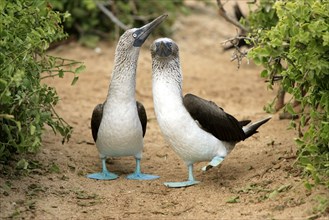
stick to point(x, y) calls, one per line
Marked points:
point(197, 129)
point(119, 124)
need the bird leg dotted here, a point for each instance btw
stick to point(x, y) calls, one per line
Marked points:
point(104, 175)
point(138, 175)
point(213, 163)
point(190, 182)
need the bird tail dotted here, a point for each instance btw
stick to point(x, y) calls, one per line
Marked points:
point(252, 129)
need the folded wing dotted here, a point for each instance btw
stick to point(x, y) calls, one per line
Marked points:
point(214, 119)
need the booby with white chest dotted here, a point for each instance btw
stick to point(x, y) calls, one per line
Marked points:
point(119, 124)
point(197, 129)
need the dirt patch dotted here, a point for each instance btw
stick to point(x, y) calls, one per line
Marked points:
point(256, 181)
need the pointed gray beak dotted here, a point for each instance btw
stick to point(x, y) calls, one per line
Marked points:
point(143, 32)
point(163, 48)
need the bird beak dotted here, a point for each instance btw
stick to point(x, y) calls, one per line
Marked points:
point(163, 49)
point(143, 32)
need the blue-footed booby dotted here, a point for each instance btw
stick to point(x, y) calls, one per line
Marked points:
point(119, 124)
point(197, 129)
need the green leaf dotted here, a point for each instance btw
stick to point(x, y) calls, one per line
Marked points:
point(284, 188)
point(66, 15)
point(54, 168)
point(308, 185)
point(75, 79)
point(273, 194)
point(290, 109)
point(32, 129)
point(264, 74)
point(3, 84)
point(7, 116)
point(234, 199)
point(22, 164)
point(61, 73)
point(80, 69)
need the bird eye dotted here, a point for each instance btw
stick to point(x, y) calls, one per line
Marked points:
point(134, 35)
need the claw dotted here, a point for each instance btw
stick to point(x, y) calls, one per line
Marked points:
point(213, 163)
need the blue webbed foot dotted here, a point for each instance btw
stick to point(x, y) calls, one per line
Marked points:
point(141, 176)
point(190, 182)
point(138, 175)
point(213, 163)
point(105, 175)
point(181, 184)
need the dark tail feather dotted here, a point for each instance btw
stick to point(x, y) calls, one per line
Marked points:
point(252, 129)
point(244, 122)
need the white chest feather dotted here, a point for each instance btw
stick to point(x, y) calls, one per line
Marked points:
point(120, 132)
point(188, 140)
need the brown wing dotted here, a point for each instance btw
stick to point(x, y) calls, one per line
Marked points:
point(142, 116)
point(96, 119)
point(214, 119)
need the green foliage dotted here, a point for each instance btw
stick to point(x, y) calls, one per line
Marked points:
point(323, 205)
point(91, 24)
point(264, 17)
point(292, 42)
point(26, 105)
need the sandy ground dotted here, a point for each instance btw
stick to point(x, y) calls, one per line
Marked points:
point(256, 181)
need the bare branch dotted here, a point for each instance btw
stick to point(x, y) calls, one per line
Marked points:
point(234, 39)
point(109, 14)
point(143, 18)
point(239, 55)
point(223, 13)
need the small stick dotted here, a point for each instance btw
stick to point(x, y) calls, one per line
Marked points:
point(109, 14)
point(223, 13)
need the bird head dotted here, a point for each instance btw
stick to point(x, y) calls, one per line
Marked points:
point(135, 37)
point(164, 48)
point(165, 61)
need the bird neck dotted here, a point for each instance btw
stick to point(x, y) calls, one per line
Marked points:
point(167, 85)
point(123, 80)
point(169, 73)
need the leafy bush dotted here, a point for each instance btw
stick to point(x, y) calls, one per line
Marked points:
point(291, 41)
point(26, 105)
point(130, 13)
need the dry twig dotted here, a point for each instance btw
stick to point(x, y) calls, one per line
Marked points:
point(238, 54)
point(109, 14)
point(223, 13)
